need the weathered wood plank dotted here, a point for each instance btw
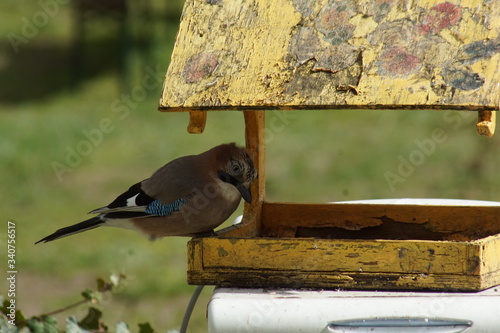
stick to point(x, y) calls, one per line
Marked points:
point(248, 278)
point(424, 54)
point(368, 263)
point(490, 252)
point(277, 264)
point(316, 255)
point(364, 221)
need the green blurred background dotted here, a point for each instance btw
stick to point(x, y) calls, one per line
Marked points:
point(60, 81)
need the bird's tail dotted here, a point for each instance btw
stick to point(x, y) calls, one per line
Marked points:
point(73, 229)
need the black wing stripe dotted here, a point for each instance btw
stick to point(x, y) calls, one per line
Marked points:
point(142, 198)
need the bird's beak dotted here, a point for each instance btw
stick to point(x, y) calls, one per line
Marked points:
point(245, 192)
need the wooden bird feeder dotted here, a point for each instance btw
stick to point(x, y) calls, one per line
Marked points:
point(346, 54)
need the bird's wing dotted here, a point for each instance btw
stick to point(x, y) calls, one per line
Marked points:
point(170, 187)
point(180, 178)
point(133, 200)
point(135, 203)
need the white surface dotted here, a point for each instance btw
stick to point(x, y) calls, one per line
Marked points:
point(257, 310)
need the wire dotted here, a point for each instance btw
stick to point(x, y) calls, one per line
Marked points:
point(189, 309)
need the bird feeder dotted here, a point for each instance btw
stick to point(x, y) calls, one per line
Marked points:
point(346, 54)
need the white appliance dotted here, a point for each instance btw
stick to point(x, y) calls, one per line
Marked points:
point(279, 311)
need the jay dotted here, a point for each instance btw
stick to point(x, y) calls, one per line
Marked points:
point(188, 196)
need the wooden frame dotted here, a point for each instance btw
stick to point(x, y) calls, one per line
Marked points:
point(357, 246)
point(318, 54)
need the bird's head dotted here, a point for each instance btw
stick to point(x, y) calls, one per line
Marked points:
point(238, 169)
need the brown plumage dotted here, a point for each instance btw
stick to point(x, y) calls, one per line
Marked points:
point(188, 196)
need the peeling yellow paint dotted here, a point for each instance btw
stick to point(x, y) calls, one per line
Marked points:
point(257, 65)
point(397, 14)
point(432, 3)
point(364, 25)
point(413, 92)
point(246, 80)
point(469, 30)
point(489, 70)
point(333, 263)
point(453, 38)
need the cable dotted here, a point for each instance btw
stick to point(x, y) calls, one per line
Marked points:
point(189, 309)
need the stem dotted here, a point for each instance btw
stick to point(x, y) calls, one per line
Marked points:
point(65, 308)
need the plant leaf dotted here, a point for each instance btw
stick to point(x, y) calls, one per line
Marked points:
point(49, 324)
point(92, 320)
point(35, 325)
point(72, 326)
point(145, 328)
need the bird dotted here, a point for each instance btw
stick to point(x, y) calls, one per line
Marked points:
point(189, 196)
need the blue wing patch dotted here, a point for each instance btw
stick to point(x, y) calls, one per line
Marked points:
point(160, 209)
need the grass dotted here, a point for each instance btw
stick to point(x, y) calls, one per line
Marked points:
point(313, 156)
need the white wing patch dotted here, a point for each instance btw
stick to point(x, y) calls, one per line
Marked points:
point(131, 201)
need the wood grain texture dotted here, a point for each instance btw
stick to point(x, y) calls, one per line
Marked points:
point(486, 123)
point(248, 278)
point(423, 54)
point(365, 221)
point(255, 143)
point(366, 264)
point(319, 255)
point(423, 247)
point(197, 122)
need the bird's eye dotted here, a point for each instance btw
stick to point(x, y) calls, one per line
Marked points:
point(235, 169)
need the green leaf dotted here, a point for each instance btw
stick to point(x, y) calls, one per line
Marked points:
point(46, 324)
point(100, 284)
point(35, 325)
point(19, 317)
point(49, 324)
point(87, 294)
point(92, 320)
point(5, 327)
point(72, 326)
point(145, 328)
point(104, 286)
point(92, 296)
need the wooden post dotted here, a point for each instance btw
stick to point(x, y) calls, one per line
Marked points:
point(197, 121)
point(250, 226)
point(486, 123)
